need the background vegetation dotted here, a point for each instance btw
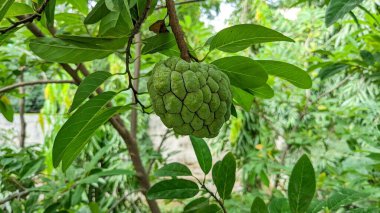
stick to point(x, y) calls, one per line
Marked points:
point(336, 122)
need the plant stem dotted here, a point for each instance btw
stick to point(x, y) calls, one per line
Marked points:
point(22, 112)
point(137, 65)
point(31, 83)
point(177, 30)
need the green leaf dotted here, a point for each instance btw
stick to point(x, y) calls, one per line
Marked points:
point(117, 23)
point(19, 9)
point(243, 72)
point(31, 168)
point(81, 5)
point(6, 109)
point(339, 198)
point(332, 69)
point(258, 206)
point(159, 42)
point(338, 8)
point(203, 153)
point(49, 13)
point(173, 189)
point(95, 177)
point(80, 126)
point(212, 208)
point(265, 91)
point(196, 204)
point(173, 169)
point(279, 205)
point(87, 87)
point(104, 43)
point(4, 7)
point(79, 140)
point(242, 98)
point(223, 175)
point(57, 50)
point(301, 186)
point(97, 13)
point(141, 4)
point(240, 37)
point(289, 72)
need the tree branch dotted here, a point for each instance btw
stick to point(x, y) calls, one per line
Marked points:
point(180, 3)
point(177, 30)
point(116, 121)
point(31, 83)
point(27, 19)
point(14, 195)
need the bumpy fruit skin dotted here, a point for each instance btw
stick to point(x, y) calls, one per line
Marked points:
point(192, 98)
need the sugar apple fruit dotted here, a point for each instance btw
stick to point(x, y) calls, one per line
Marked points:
point(192, 98)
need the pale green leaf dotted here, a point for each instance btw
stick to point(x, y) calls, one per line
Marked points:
point(242, 98)
point(4, 7)
point(19, 9)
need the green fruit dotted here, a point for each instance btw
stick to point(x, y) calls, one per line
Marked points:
point(192, 98)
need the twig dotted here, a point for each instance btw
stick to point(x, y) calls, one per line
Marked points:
point(26, 20)
point(128, 55)
point(137, 66)
point(177, 30)
point(31, 83)
point(219, 201)
point(114, 206)
point(15, 195)
point(180, 3)
point(166, 135)
point(22, 112)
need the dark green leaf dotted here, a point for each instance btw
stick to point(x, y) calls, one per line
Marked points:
point(4, 7)
point(19, 9)
point(279, 205)
point(289, 72)
point(223, 175)
point(265, 91)
point(212, 208)
point(301, 186)
point(240, 37)
point(31, 168)
point(78, 140)
point(242, 98)
point(374, 156)
point(173, 169)
point(57, 50)
point(367, 57)
point(117, 23)
point(49, 13)
point(258, 206)
point(338, 8)
point(97, 13)
point(173, 189)
point(332, 69)
point(104, 43)
point(87, 87)
point(203, 153)
point(141, 5)
point(157, 43)
point(196, 204)
point(242, 71)
point(80, 126)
